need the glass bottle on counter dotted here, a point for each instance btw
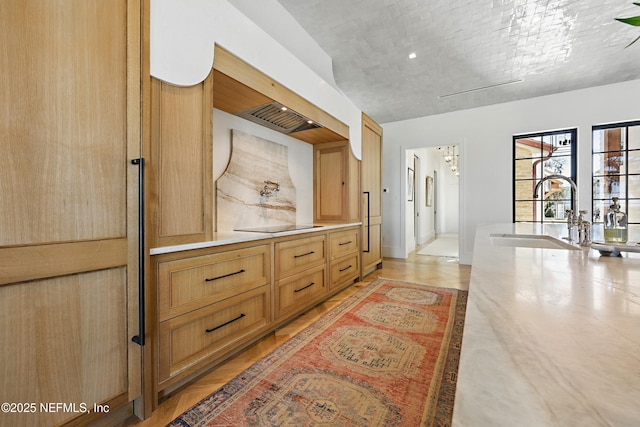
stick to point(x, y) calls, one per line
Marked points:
point(615, 224)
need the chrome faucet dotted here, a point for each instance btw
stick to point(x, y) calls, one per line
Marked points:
point(581, 227)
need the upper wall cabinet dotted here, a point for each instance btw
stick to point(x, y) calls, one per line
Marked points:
point(336, 183)
point(181, 163)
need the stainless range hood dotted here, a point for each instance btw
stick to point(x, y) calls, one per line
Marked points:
point(279, 118)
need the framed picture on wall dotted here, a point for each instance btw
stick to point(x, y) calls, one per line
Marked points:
point(410, 184)
point(429, 191)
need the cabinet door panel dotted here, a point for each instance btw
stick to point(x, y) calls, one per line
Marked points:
point(296, 292)
point(330, 183)
point(63, 340)
point(54, 168)
point(191, 283)
point(210, 331)
point(298, 255)
point(182, 158)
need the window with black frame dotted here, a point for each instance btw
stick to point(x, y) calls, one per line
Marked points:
point(616, 173)
point(536, 156)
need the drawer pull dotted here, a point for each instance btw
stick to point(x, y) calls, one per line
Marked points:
point(345, 269)
point(308, 286)
point(222, 277)
point(346, 243)
point(308, 253)
point(226, 323)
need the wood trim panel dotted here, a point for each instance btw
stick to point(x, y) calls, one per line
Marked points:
point(244, 73)
point(181, 197)
point(25, 263)
point(232, 96)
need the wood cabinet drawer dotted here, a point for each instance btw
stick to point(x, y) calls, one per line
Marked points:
point(344, 270)
point(343, 243)
point(190, 283)
point(294, 256)
point(295, 292)
point(185, 340)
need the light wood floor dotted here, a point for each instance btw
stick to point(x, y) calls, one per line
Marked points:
point(434, 271)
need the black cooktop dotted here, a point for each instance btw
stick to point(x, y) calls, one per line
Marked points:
point(275, 228)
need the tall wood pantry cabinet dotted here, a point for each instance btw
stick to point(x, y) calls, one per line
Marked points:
point(371, 195)
point(70, 108)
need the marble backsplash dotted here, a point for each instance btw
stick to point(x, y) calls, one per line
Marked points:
point(256, 189)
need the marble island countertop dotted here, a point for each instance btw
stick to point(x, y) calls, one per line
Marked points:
point(229, 237)
point(551, 337)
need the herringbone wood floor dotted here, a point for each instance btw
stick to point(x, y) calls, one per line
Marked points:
point(434, 271)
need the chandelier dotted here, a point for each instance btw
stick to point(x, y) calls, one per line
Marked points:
point(450, 156)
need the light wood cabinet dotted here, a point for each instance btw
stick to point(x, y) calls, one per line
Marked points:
point(214, 302)
point(371, 195)
point(294, 256)
point(70, 125)
point(342, 243)
point(336, 183)
point(181, 163)
point(344, 254)
point(210, 302)
point(190, 283)
point(201, 335)
point(297, 292)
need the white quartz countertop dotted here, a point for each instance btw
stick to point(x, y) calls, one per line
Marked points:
point(551, 337)
point(229, 237)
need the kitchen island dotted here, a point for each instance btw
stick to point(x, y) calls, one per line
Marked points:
point(551, 337)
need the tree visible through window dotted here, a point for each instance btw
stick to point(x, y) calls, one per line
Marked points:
point(616, 172)
point(536, 156)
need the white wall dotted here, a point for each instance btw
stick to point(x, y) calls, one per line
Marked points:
point(300, 158)
point(448, 200)
point(484, 136)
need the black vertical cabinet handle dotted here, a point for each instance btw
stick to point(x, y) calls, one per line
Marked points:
point(368, 221)
point(139, 339)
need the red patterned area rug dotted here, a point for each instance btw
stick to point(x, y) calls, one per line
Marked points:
point(387, 356)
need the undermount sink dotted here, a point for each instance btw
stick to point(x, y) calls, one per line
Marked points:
point(530, 241)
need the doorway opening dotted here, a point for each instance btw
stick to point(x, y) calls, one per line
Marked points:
point(435, 204)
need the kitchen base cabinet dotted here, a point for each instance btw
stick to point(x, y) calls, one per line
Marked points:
point(214, 302)
point(344, 253)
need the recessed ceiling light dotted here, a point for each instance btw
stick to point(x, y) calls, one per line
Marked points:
point(412, 55)
point(284, 108)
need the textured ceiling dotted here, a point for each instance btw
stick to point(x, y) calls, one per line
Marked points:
point(468, 53)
